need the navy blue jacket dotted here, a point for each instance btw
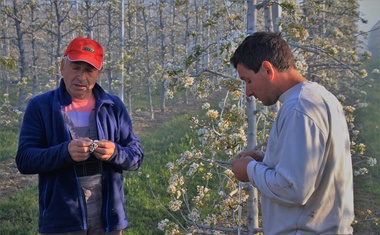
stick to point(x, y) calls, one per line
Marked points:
point(43, 150)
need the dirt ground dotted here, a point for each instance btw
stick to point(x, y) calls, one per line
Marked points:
point(11, 180)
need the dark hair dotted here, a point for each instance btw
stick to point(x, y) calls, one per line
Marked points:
point(263, 46)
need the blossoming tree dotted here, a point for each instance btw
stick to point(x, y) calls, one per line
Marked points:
point(205, 198)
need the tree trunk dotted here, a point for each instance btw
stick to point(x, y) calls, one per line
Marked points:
point(252, 203)
point(147, 63)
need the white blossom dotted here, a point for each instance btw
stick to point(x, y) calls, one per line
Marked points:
point(361, 171)
point(170, 166)
point(162, 224)
point(206, 106)
point(169, 94)
point(187, 82)
point(194, 215)
point(371, 161)
point(210, 219)
point(228, 172)
point(175, 205)
point(192, 169)
point(213, 114)
point(363, 73)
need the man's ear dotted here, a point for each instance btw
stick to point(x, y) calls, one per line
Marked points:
point(268, 68)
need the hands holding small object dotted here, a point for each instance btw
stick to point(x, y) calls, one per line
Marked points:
point(93, 146)
point(240, 162)
point(80, 149)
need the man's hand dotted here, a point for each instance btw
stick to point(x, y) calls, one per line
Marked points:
point(239, 167)
point(79, 149)
point(104, 150)
point(257, 155)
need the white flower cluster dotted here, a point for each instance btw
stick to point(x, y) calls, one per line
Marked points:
point(184, 157)
point(237, 94)
point(23, 82)
point(187, 81)
point(207, 176)
point(363, 73)
point(224, 124)
point(336, 32)
point(349, 109)
point(228, 172)
point(354, 57)
point(175, 183)
point(361, 171)
point(204, 135)
point(371, 161)
point(355, 132)
point(213, 114)
point(367, 55)
point(238, 137)
point(342, 98)
point(361, 105)
point(50, 84)
point(206, 106)
point(302, 66)
point(162, 224)
point(194, 215)
point(334, 50)
point(169, 94)
point(170, 228)
point(361, 148)
point(202, 191)
point(175, 205)
point(192, 169)
point(194, 120)
point(170, 166)
point(211, 220)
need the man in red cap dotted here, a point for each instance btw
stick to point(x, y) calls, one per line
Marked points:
point(79, 139)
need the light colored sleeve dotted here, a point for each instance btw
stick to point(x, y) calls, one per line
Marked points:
point(299, 160)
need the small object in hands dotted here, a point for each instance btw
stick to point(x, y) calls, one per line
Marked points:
point(93, 146)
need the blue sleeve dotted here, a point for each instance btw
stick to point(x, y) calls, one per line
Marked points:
point(128, 153)
point(40, 148)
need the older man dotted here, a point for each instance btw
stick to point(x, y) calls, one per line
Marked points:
point(79, 139)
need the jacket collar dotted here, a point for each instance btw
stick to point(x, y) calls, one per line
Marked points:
point(65, 98)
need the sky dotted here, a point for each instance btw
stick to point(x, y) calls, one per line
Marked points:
point(370, 10)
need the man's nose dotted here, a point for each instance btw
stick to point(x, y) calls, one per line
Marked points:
point(81, 74)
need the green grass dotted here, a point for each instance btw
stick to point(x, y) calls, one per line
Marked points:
point(8, 142)
point(367, 187)
point(19, 213)
point(160, 147)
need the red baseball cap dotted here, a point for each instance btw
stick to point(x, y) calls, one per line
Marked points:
point(86, 50)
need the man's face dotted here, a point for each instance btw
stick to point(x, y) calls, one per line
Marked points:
point(257, 84)
point(79, 78)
